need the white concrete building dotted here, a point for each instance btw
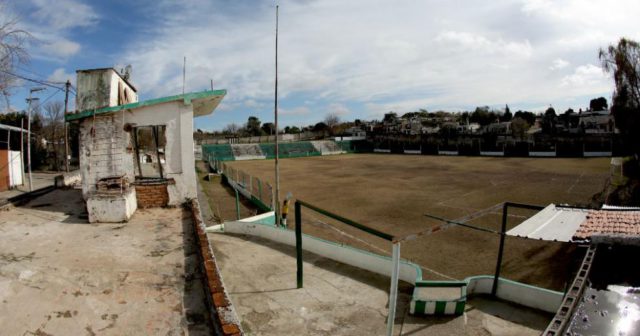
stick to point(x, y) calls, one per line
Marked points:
point(117, 177)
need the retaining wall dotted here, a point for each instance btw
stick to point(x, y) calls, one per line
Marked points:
point(512, 291)
point(219, 303)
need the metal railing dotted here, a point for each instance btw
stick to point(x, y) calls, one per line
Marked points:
point(395, 258)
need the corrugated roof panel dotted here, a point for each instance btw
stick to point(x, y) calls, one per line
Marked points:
point(552, 223)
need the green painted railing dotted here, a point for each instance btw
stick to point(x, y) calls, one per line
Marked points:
point(298, 212)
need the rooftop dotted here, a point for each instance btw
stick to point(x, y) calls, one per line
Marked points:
point(60, 275)
point(203, 103)
point(609, 222)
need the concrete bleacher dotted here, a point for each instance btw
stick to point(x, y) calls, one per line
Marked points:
point(290, 150)
point(247, 152)
point(327, 147)
point(222, 152)
point(231, 152)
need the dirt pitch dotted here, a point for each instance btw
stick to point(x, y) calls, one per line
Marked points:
point(392, 192)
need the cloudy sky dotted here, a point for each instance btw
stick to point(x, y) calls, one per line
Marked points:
point(357, 58)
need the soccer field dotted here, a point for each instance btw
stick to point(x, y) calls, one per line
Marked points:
point(393, 192)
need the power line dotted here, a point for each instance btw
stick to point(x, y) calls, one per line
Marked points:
point(38, 74)
point(32, 80)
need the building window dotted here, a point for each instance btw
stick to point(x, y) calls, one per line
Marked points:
point(149, 144)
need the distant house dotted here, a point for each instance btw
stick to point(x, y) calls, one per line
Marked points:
point(469, 128)
point(352, 133)
point(498, 128)
point(597, 122)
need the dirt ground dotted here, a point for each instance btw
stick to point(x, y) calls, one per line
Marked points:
point(393, 192)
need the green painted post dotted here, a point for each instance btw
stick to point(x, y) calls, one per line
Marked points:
point(503, 230)
point(299, 243)
point(237, 204)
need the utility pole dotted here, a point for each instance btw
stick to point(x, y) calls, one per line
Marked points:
point(29, 100)
point(275, 111)
point(22, 149)
point(66, 128)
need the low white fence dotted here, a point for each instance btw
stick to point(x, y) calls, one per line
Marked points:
point(491, 153)
point(378, 150)
point(445, 152)
point(347, 255)
point(508, 290)
point(413, 151)
point(542, 154)
point(512, 291)
point(597, 154)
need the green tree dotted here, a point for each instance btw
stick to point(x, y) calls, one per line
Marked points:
point(269, 128)
point(252, 127)
point(549, 120)
point(390, 117)
point(320, 127)
point(598, 104)
point(519, 128)
point(507, 116)
point(483, 116)
point(529, 117)
point(623, 61)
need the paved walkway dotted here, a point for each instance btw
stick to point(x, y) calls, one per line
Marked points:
point(40, 180)
point(338, 299)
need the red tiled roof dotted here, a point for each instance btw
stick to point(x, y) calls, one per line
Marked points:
point(600, 222)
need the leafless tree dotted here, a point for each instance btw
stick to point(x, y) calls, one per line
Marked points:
point(232, 128)
point(53, 117)
point(332, 120)
point(13, 50)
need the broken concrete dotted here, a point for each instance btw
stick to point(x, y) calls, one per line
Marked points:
point(60, 275)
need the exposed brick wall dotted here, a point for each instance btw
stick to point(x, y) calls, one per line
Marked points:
point(152, 195)
point(222, 311)
point(4, 170)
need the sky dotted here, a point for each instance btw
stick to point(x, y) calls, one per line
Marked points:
point(356, 58)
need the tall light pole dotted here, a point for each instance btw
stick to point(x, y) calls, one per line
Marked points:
point(275, 111)
point(29, 100)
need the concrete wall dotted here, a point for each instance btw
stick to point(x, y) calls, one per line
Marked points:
point(68, 180)
point(597, 154)
point(489, 153)
point(108, 150)
point(15, 169)
point(111, 208)
point(441, 152)
point(542, 154)
point(104, 150)
point(358, 258)
point(180, 160)
point(526, 295)
point(99, 88)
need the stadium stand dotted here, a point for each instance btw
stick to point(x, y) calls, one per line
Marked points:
point(247, 152)
point(327, 147)
point(218, 152)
